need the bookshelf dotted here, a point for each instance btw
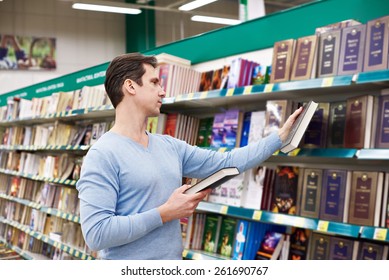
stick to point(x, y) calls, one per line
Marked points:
point(210, 102)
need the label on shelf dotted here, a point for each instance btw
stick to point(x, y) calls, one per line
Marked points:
point(257, 215)
point(268, 88)
point(190, 96)
point(223, 209)
point(327, 82)
point(380, 234)
point(322, 226)
point(247, 90)
point(204, 94)
point(184, 253)
point(230, 92)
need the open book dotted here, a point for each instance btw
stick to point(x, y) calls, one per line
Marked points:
point(214, 180)
point(299, 126)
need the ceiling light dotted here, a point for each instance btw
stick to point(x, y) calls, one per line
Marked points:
point(106, 8)
point(195, 4)
point(218, 20)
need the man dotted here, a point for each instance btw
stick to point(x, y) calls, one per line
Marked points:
point(131, 198)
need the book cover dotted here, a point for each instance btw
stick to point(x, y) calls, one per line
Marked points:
point(372, 251)
point(226, 238)
point(218, 131)
point(241, 235)
point(214, 180)
point(253, 187)
point(319, 247)
point(277, 111)
point(352, 50)
point(244, 139)
point(359, 116)
point(211, 232)
point(382, 131)
point(299, 127)
point(283, 53)
point(329, 45)
point(285, 190)
point(304, 61)
point(377, 44)
point(257, 126)
point(299, 241)
point(271, 246)
point(311, 192)
point(341, 248)
point(365, 198)
point(316, 132)
point(204, 134)
point(336, 124)
point(232, 118)
point(336, 185)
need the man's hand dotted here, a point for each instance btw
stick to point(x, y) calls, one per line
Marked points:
point(180, 205)
point(283, 132)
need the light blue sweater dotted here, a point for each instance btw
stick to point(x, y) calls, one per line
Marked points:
point(122, 183)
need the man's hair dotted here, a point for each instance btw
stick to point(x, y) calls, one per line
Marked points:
point(123, 67)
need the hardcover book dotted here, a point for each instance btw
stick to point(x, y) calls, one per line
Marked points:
point(352, 49)
point(241, 236)
point(204, 134)
point(341, 248)
point(377, 44)
point(316, 133)
point(336, 124)
point(218, 131)
point(277, 111)
point(319, 247)
point(305, 58)
point(365, 198)
point(283, 53)
point(311, 192)
point(372, 251)
point(329, 53)
point(257, 126)
point(211, 232)
point(299, 127)
point(227, 234)
point(335, 195)
point(359, 116)
point(244, 139)
point(253, 188)
point(299, 241)
point(232, 124)
point(214, 180)
point(285, 190)
point(271, 246)
point(382, 131)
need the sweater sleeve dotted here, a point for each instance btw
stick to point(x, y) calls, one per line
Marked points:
point(200, 163)
point(98, 193)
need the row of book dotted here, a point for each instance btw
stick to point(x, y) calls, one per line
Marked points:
point(343, 48)
point(55, 134)
point(58, 102)
point(339, 195)
point(62, 166)
point(240, 239)
point(6, 253)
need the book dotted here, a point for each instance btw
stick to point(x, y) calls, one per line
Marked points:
point(283, 52)
point(359, 118)
point(377, 44)
point(366, 198)
point(226, 238)
point(211, 232)
point(335, 195)
point(253, 187)
point(277, 111)
point(218, 131)
point(305, 58)
point(372, 251)
point(316, 133)
point(311, 192)
point(336, 124)
point(328, 53)
point(342, 248)
point(214, 180)
point(298, 128)
point(299, 241)
point(319, 246)
point(285, 191)
point(382, 132)
point(352, 48)
point(271, 246)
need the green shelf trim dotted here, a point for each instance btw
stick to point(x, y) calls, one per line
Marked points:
point(45, 148)
point(375, 233)
point(373, 154)
point(330, 152)
point(26, 202)
point(373, 76)
point(64, 215)
point(18, 250)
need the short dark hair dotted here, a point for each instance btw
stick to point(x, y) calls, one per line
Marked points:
point(123, 67)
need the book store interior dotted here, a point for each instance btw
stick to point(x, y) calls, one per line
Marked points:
point(194, 130)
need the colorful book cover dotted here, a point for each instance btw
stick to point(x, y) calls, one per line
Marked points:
point(285, 190)
point(226, 239)
point(270, 247)
point(218, 131)
point(211, 233)
point(231, 123)
point(204, 134)
point(245, 129)
point(299, 240)
point(240, 239)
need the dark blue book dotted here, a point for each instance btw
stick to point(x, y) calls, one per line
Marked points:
point(316, 133)
point(382, 132)
point(372, 251)
point(336, 184)
point(341, 248)
point(245, 129)
point(319, 246)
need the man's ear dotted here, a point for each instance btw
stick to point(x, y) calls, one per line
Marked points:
point(128, 85)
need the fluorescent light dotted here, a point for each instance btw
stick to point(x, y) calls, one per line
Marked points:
point(105, 8)
point(195, 4)
point(226, 21)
